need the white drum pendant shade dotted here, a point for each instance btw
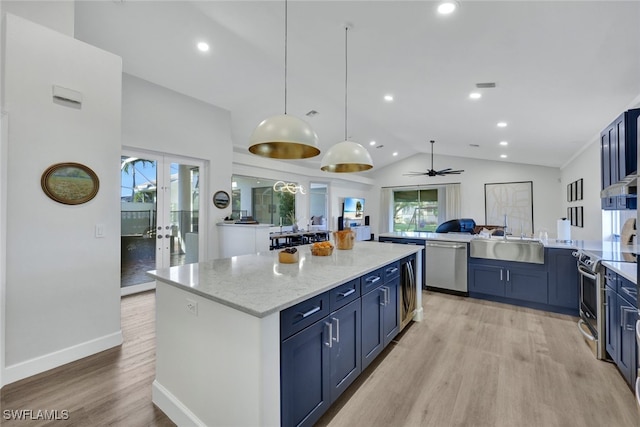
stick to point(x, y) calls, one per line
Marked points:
point(346, 156)
point(284, 137)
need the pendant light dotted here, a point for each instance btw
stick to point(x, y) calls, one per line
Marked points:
point(284, 136)
point(346, 156)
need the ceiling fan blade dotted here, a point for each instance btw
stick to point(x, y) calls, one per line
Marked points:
point(415, 173)
point(444, 170)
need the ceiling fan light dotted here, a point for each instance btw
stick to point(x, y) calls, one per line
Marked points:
point(346, 156)
point(284, 137)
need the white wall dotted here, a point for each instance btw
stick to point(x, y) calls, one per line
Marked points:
point(547, 207)
point(585, 166)
point(163, 121)
point(62, 283)
point(57, 15)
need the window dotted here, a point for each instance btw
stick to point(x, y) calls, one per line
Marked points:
point(415, 210)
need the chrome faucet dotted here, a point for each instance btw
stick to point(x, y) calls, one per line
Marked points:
point(504, 229)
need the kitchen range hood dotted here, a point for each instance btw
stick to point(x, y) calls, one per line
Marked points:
point(625, 187)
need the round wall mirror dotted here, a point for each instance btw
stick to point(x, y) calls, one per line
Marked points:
point(221, 199)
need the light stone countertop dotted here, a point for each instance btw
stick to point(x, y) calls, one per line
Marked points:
point(260, 285)
point(628, 270)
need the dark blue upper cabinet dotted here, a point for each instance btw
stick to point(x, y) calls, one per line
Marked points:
point(618, 156)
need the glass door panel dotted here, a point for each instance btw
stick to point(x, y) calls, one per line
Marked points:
point(137, 219)
point(160, 206)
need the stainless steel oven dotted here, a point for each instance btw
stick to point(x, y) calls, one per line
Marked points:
point(592, 315)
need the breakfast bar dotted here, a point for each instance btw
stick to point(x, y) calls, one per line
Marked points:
point(219, 331)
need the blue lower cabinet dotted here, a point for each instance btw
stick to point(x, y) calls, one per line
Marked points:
point(486, 279)
point(305, 367)
point(372, 332)
point(318, 364)
point(526, 285)
point(612, 322)
point(391, 311)
point(346, 348)
point(621, 314)
point(564, 280)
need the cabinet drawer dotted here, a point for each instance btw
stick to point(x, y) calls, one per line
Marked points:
point(372, 280)
point(628, 290)
point(391, 271)
point(303, 314)
point(611, 279)
point(344, 294)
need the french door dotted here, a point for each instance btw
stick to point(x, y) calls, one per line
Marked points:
point(160, 215)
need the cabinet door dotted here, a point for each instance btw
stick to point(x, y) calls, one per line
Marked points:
point(526, 285)
point(620, 148)
point(306, 392)
point(605, 158)
point(612, 326)
point(372, 335)
point(346, 354)
point(391, 311)
point(486, 279)
point(563, 279)
point(627, 343)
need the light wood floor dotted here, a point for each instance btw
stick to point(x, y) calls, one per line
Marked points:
point(470, 363)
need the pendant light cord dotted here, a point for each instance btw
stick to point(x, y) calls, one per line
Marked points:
point(346, 68)
point(285, 55)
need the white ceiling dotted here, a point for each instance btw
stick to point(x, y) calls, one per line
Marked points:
point(563, 69)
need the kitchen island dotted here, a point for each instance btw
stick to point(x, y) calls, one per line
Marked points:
point(218, 331)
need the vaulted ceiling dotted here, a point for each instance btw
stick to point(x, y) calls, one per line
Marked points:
point(562, 69)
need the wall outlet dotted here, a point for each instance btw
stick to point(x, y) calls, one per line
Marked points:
point(192, 306)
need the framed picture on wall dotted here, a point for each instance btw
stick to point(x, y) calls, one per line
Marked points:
point(513, 199)
point(574, 188)
point(569, 193)
point(579, 220)
point(579, 189)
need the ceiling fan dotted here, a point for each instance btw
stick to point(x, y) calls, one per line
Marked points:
point(432, 171)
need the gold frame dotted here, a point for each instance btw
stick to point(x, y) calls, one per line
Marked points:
point(56, 183)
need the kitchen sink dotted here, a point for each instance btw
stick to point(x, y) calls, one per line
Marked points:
point(511, 249)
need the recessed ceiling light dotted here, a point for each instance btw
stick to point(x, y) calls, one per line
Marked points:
point(503, 156)
point(504, 143)
point(388, 98)
point(203, 47)
point(372, 143)
point(502, 124)
point(447, 7)
point(475, 95)
point(395, 153)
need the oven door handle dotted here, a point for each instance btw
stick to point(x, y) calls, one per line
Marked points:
point(586, 273)
point(585, 334)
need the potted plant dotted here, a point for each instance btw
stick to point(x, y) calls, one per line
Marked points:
point(294, 222)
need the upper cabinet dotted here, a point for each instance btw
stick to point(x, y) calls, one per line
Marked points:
point(618, 156)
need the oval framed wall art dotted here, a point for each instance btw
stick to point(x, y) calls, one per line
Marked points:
point(70, 183)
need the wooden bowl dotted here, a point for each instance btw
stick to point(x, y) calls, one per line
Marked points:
point(287, 258)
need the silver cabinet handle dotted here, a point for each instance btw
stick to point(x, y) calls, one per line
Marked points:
point(329, 343)
point(310, 312)
point(384, 296)
point(392, 270)
point(445, 246)
point(337, 337)
point(631, 292)
point(372, 279)
point(388, 293)
point(623, 318)
point(346, 293)
point(508, 276)
point(638, 332)
point(500, 274)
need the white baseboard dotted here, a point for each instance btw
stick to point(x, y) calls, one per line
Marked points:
point(172, 407)
point(41, 364)
point(129, 290)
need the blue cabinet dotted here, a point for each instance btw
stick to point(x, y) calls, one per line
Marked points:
point(621, 315)
point(552, 286)
point(618, 157)
point(510, 281)
point(327, 340)
point(564, 280)
point(380, 319)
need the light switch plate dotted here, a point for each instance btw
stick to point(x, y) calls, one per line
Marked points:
point(100, 230)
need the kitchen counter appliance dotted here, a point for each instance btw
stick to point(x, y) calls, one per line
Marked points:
point(592, 298)
point(446, 266)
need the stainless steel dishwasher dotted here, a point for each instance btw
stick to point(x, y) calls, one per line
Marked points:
point(446, 266)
